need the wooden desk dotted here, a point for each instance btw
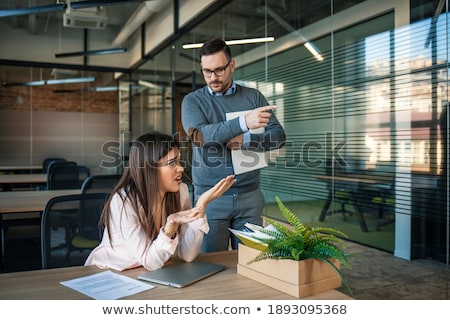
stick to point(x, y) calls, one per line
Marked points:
point(23, 178)
point(25, 204)
point(226, 285)
point(354, 181)
point(21, 168)
point(29, 201)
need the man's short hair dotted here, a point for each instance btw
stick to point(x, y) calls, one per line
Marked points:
point(213, 46)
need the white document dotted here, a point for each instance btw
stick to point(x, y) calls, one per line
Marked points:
point(253, 237)
point(245, 160)
point(107, 285)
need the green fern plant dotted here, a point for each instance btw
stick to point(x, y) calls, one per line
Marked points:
point(300, 242)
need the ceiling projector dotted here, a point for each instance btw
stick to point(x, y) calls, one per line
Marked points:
point(90, 18)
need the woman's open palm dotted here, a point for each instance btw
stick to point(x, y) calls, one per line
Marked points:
point(216, 191)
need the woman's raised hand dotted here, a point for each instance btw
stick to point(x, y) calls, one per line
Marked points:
point(216, 191)
point(178, 218)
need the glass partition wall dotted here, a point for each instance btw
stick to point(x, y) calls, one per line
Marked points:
point(55, 112)
point(361, 88)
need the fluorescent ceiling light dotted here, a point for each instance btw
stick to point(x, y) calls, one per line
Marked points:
point(29, 83)
point(247, 41)
point(90, 52)
point(71, 80)
point(50, 82)
point(314, 51)
point(232, 42)
point(309, 45)
point(107, 88)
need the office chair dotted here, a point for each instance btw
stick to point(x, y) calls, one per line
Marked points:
point(340, 191)
point(23, 226)
point(100, 183)
point(47, 162)
point(384, 202)
point(54, 178)
point(66, 175)
point(343, 197)
point(70, 229)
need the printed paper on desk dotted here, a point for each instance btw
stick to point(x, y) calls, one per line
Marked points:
point(245, 160)
point(107, 285)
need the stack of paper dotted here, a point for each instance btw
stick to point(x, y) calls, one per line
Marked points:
point(252, 234)
point(246, 160)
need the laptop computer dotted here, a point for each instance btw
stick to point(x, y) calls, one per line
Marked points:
point(181, 274)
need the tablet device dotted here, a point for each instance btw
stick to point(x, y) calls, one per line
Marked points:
point(181, 274)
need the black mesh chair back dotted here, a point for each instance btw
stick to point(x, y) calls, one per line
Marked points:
point(89, 216)
point(59, 163)
point(48, 161)
point(67, 175)
point(83, 174)
point(100, 183)
point(70, 229)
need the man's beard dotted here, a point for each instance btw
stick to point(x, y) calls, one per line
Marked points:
point(218, 83)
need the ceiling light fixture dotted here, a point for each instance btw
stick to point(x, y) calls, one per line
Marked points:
point(50, 82)
point(308, 44)
point(232, 42)
point(90, 53)
point(148, 84)
point(106, 89)
point(314, 51)
point(70, 80)
point(28, 83)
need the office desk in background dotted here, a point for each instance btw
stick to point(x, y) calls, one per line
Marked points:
point(354, 183)
point(25, 205)
point(29, 201)
point(225, 285)
point(23, 178)
point(8, 180)
point(21, 169)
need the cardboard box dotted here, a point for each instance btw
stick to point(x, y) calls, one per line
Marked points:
point(296, 278)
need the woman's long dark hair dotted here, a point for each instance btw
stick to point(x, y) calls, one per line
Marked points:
point(139, 183)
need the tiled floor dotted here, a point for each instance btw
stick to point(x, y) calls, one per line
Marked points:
point(378, 275)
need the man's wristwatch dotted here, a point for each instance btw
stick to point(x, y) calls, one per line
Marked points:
point(171, 235)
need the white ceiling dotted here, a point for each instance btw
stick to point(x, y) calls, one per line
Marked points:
point(37, 34)
point(42, 34)
point(20, 13)
point(32, 30)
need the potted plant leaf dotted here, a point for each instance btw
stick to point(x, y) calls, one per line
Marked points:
point(320, 251)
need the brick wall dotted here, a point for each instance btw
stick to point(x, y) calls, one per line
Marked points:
point(73, 98)
point(56, 120)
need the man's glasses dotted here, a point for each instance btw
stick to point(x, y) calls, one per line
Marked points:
point(217, 71)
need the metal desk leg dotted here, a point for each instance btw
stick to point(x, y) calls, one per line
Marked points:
point(359, 214)
point(325, 207)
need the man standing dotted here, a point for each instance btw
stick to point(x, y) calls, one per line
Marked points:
point(213, 137)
